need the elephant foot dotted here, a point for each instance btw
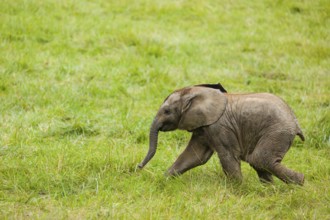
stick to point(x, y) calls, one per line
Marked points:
point(295, 178)
point(172, 172)
point(300, 179)
point(264, 176)
point(266, 181)
point(235, 177)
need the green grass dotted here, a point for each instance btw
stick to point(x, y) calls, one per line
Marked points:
point(80, 82)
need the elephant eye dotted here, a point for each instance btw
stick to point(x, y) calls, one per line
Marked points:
point(167, 112)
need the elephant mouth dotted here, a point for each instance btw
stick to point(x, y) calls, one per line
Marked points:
point(167, 127)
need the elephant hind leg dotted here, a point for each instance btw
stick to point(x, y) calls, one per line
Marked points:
point(264, 175)
point(268, 155)
point(287, 175)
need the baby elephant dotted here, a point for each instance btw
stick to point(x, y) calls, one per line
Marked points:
point(257, 128)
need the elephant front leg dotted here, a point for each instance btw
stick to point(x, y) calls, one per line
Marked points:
point(194, 155)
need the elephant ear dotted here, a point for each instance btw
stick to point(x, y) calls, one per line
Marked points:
point(201, 106)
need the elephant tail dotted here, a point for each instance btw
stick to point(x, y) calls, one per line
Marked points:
point(299, 131)
point(301, 135)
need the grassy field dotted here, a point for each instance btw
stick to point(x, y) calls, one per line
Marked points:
point(80, 82)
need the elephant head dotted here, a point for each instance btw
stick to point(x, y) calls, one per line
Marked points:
point(187, 109)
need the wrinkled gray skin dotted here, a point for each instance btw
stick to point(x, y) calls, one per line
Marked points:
point(256, 128)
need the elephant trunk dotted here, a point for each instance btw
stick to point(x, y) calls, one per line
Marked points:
point(153, 139)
